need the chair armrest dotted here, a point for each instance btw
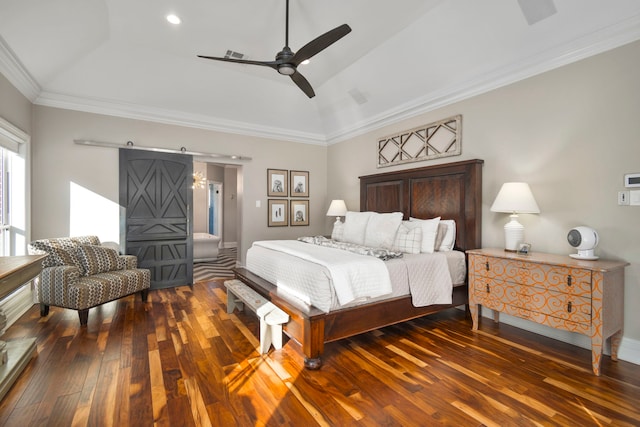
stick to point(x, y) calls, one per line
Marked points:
point(52, 287)
point(127, 262)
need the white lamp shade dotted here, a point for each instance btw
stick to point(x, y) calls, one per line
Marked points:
point(337, 208)
point(515, 197)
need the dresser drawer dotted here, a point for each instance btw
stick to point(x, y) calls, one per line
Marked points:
point(496, 294)
point(545, 319)
point(554, 290)
point(573, 281)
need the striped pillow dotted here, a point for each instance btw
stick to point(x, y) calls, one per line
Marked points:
point(97, 259)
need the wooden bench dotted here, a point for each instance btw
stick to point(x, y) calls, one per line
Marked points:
point(271, 317)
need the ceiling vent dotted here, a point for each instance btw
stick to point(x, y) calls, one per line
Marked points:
point(537, 10)
point(233, 55)
point(358, 96)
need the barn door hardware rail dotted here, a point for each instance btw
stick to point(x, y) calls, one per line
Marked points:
point(130, 145)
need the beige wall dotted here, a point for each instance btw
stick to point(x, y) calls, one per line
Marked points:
point(62, 167)
point(571, 134)
point(14, 107)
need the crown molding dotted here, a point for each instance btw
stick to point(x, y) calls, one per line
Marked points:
point(173, 117)
point(595, 43)
point(16, 73)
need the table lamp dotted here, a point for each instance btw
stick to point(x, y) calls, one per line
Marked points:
point(337, 208)
point(514, 198)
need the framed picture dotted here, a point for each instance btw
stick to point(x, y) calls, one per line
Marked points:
point(299, 212)
point(524, 249)
point(299, 186)
point(278, 213)
point(277, 183)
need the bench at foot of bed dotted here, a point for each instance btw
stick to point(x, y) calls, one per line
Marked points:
point(271, 317)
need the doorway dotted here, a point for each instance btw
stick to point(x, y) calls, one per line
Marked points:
point(215, 208)
point(156, 196)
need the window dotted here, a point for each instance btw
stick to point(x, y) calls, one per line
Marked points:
point(13, 190)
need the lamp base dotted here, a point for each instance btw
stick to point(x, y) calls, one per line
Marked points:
point(513, 234)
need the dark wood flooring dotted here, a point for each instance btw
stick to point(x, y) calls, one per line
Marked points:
point(180, 359)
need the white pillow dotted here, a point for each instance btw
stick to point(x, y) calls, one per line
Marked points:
point(355, 226)
point(408, 240)
point(381, 229)
point(338, 231)
point(429, 232)
point(446, 237)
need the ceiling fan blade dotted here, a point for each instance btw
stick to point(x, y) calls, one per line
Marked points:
point(320, 43)
point(272, 64)
point(303, 84)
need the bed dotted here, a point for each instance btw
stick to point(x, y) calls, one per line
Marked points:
point(452, 191)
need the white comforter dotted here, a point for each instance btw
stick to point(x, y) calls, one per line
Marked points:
point(354, 276)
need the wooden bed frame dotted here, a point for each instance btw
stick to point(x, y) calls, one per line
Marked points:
point(451, 191)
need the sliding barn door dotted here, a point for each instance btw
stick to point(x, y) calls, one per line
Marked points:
point(156, 196)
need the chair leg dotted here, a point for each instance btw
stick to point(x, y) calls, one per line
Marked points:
point(84, 316)
point(144, 294)
point(44, 310)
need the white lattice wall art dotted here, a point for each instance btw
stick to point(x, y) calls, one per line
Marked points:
point(438, 139)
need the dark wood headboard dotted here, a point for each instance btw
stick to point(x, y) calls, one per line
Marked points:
point(450, 191)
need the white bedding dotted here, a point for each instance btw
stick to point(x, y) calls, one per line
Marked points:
point(311, 282)
point(353, 276)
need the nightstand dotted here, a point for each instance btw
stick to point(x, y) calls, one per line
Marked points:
point(580, 296)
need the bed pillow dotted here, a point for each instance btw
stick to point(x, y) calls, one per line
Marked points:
point(338, 231)
point(97, 259)
point(408, 240)
point(355, 226)
point(381, 229)
point(429, 231)
point(446, 237)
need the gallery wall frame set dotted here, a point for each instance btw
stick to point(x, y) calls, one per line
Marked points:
point(287, 183)
point(277, 182)
point(299, 212)
point(299, 184)
point(278, 213)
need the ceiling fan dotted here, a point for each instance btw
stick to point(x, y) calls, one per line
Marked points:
point(287, 61)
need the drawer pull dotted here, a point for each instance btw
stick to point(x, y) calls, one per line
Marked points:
point(488, 289)
point(486, 265)
point(569, 280)
point(569, 307)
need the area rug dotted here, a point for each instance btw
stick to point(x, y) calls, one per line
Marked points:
point(218, 269)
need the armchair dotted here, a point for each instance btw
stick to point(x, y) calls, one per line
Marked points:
point(79, 274)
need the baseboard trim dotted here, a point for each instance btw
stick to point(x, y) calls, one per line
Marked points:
point(629, 350)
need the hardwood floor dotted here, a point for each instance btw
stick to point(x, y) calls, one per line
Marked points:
point(180, 359)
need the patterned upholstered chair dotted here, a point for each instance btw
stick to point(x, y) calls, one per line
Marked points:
point(79, 273)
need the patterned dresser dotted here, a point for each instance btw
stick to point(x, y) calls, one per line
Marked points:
point(580, 296)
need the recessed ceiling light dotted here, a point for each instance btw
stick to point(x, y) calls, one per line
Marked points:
point(174, 19)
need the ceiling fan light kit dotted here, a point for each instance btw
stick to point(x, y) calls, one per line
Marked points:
point(287, 61)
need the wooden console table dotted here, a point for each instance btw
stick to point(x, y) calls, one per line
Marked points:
point(14, 272)
point(580, 296)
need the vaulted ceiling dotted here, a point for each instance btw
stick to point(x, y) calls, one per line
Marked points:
point(404, 57)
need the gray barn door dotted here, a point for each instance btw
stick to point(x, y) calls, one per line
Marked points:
point(156, 196)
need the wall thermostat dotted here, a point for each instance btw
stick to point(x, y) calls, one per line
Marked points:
point(632, 180)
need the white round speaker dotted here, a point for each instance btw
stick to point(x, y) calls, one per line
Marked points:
point(584, 239)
